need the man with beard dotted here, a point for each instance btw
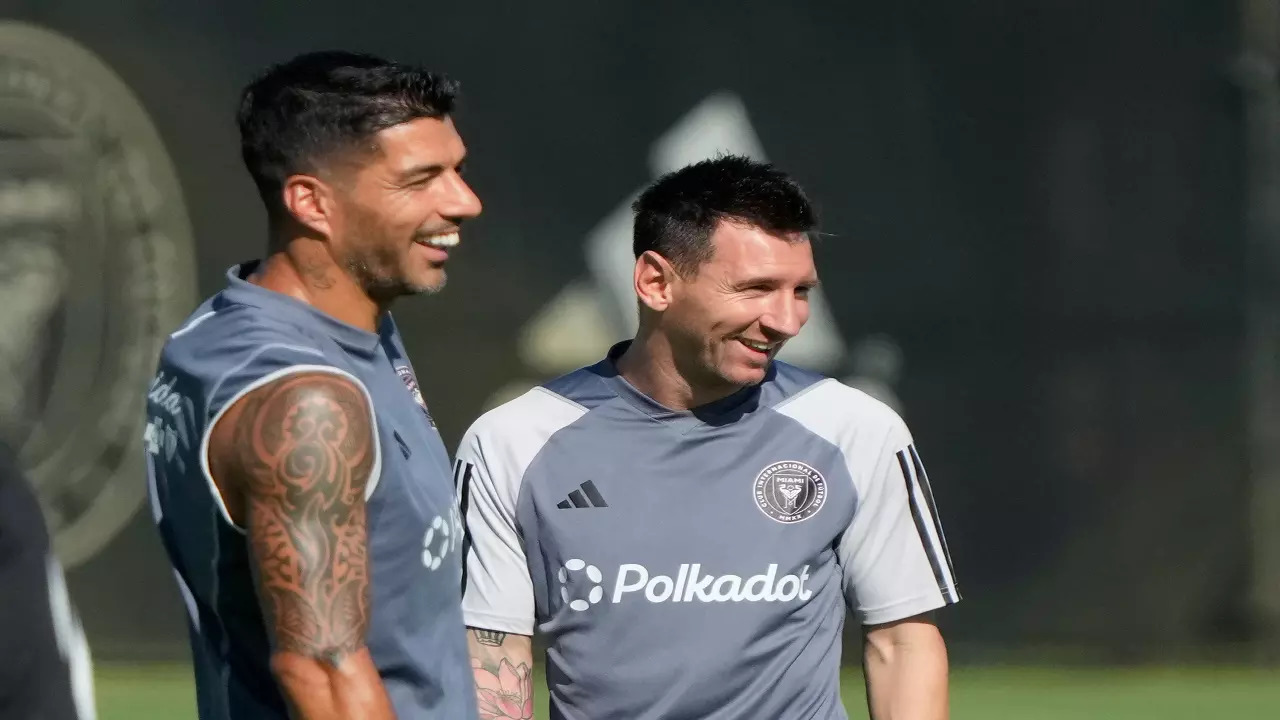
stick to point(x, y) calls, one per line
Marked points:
point(685, 522)
point(294, 469)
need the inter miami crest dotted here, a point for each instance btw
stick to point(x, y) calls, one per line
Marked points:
point(790, 491)
point(411, 382)
point(97, 267)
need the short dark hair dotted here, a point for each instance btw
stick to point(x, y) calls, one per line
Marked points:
point(676, 216)
point(300, 113)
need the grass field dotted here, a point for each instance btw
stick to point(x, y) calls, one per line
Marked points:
point(165, 693)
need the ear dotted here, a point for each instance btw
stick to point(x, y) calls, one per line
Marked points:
point(310, 201)
point(653, 280)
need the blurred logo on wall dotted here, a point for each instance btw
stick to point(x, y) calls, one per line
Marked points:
point(96, 264)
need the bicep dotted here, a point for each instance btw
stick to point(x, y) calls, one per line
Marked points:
point(906, 668)
point(300, 453)
point(915, 631)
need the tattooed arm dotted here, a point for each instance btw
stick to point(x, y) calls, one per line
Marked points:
point(292, 460)
point(503, 668)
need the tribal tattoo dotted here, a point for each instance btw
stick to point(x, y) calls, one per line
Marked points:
point(304, 449)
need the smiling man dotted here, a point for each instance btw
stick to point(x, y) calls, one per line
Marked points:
point(685, 522)
point(301, 490)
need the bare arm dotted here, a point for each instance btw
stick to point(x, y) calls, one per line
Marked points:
point(906, 670)
point(503, 668)
point(296, 456)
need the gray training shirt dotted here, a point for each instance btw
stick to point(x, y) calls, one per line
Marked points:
point(241, 339)
point(696, 564)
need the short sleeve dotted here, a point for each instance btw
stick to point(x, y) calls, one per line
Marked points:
point(497, 592)
point(894, 555)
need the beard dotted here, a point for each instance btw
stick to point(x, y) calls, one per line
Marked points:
point(378, 256)
point(376, 267)
point(388, 288)
point(699, 361)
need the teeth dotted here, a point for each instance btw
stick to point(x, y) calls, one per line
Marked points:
point(762, 347)
point(443, 240)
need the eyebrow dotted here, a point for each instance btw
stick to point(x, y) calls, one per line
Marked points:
point(750, 282)
point(432, 169)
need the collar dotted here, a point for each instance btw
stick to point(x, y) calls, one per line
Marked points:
point(242, 292)
point(716, 412)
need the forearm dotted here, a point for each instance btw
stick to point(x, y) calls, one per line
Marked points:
point(316, 690)
point(906, 676)
point(503, 667)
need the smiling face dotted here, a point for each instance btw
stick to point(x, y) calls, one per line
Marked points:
point(727, 321)
point(398, 213)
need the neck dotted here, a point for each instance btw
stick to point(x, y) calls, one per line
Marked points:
point(650, 365)
point(305, 271)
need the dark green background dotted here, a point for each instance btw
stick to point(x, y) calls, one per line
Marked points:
point(1040, 201)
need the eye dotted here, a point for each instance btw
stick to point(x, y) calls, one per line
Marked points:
point(418, 182)
point(803, 291)
point(422, 177)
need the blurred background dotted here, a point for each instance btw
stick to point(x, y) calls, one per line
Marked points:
point(1052, 242)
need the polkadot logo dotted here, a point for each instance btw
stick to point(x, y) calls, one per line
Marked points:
point(593, 595)
point(444, 535)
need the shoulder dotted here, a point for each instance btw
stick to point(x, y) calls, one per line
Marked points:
point(502, 444)
point(322, 391)
point(223, 330)
point(786, 380)
point(319, 400)
point(237, 356)
point(230, 350)
point(845, 416)
point(304, 406)
point(518, 428)
point(268, 438)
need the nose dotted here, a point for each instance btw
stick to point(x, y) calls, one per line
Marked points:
point(462, 203)
point(785, 316)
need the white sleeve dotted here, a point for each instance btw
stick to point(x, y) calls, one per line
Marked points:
point(497, 593)
point(894, 554)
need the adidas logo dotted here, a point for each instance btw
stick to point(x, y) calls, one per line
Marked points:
point(586, 496)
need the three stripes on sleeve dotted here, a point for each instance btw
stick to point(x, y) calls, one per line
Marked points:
point(924, 513)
